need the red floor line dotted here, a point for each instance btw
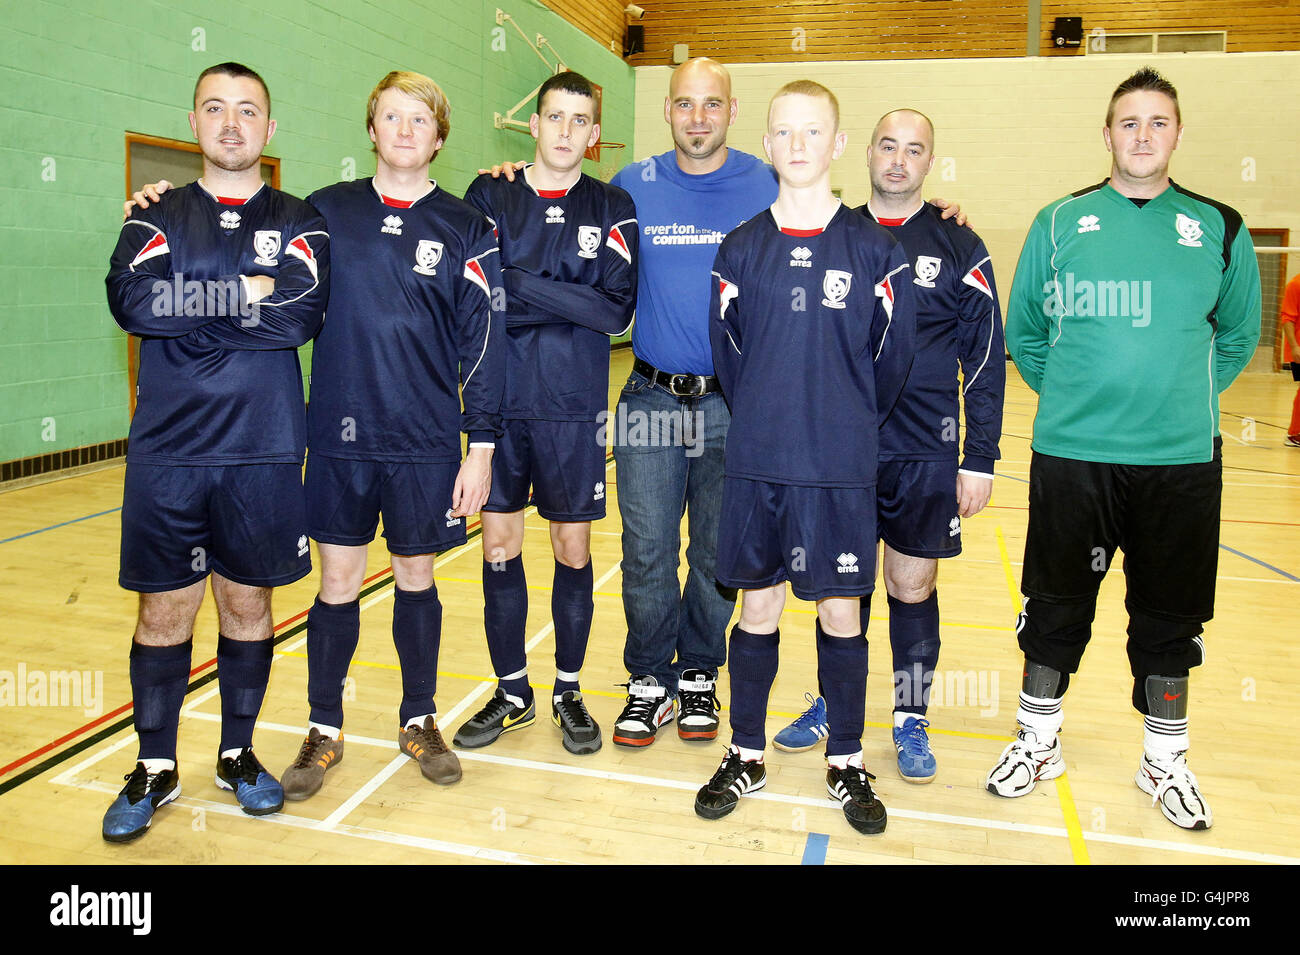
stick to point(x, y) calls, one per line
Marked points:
point(67, 737)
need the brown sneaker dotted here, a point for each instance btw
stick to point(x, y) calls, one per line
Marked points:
point(305, 776)
point(425, 746)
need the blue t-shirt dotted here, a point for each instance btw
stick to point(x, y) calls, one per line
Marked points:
point(682, 220)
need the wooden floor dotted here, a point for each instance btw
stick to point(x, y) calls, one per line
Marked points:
point(524, 799)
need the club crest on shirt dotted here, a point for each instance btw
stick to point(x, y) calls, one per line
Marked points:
point(427, 256)
point(835, 286)
point(1189, 231)
point(588, 241)
point(927, 270)
point(266, 243)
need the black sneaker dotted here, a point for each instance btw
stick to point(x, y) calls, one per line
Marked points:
point(498, 716)
point(697, 706)
point(734, 778)
point(569, 713)
point(862, 809)
point(132, 811)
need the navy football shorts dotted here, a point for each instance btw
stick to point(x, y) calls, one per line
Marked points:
point(346, 497)
point(917, 507)
point(821, 539)
point(561, 461)
point(247, 522)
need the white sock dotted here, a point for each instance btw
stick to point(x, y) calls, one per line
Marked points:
point(748, 755)
point(846, 760)
point(418, 721)
point(1042, 716)
point(152, 766)
point(1164, 739)
point(333, 732)
point(901, 717)
point(231, 753)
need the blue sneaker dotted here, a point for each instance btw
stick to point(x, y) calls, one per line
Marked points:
point(915, 761)
point(132, 811)
point(258, 792)
point(808, 730)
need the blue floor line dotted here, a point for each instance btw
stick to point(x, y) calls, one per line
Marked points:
point(1256, 560)
point(64, 524)
point(814, 850)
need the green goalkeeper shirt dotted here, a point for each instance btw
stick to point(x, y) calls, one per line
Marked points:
point(1128, 321)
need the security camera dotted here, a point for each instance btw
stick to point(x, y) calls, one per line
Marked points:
point(633, 11)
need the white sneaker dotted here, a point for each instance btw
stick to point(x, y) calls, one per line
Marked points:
point(1171, 784)
point(1024, 763)
point(648, 707)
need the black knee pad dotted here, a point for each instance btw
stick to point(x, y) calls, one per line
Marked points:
point(1158, 645)
point(1055, 634)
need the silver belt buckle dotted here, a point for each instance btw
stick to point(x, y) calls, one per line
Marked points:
point(672, 386)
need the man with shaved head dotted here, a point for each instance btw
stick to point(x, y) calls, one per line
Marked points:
point(922, 490)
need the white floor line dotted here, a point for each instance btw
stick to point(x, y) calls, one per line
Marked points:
point(360, 796)
point(68, 776)
point(356, 832)
point(636, 779)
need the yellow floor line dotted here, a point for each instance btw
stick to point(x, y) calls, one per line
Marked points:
point(1066, 799)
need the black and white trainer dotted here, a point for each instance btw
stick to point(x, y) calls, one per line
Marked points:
point(697, 705)
point(648, 707)
point(851, 788)
point(734, 778)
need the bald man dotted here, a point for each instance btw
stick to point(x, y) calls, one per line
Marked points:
point(922, 491)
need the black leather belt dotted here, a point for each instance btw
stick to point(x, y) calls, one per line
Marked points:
point(679, 386)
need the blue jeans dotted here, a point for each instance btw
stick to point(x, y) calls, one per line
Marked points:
point(669, 452)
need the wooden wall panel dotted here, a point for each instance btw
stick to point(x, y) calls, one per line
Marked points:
point(753, 31)
point(602, 20)
point(1252, 25)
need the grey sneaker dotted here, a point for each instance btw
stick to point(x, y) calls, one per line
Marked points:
point(498, 716)
point(569, 713)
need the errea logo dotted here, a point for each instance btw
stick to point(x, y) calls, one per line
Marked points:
point(555, 214)
point(848, 564)
point(1089, 224)
point(954, 527)
point(302, 545)
point(451, 521)
point(599, 491)
point(801, 258)
point(230, 220)
point(392, 225)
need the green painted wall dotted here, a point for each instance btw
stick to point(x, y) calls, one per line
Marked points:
point(76, 76)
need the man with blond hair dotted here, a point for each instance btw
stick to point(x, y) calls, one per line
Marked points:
point(812, 336)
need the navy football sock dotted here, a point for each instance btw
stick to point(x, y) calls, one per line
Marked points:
point(332, 634)
point(752, 662)
point(243, 669)
point(571, 609)
point(914, 636)
point(842, 672)
point(505, 615)
point(159, 677)
point(417, 633)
